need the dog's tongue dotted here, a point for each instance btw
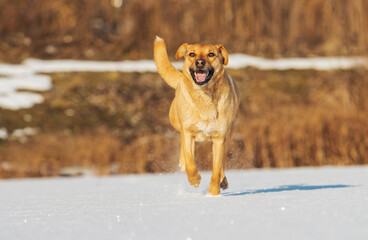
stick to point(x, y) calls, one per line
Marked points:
point(200, 77)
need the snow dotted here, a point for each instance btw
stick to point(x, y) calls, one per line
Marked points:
point(296, 203)
point(21, 134)
point(10, 96)
point(26, 76)
point(19, 100)
point(3, 133)
point(236, 60)
point(54, 66)
point(318, 63)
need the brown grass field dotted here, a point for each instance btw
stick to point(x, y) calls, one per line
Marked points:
point(118, 123)
point(94, 29)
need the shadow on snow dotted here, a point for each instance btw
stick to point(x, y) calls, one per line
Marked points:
point(287, 188)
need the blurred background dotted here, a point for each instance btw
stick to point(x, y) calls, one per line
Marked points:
point(115, 123)
point(124, 29)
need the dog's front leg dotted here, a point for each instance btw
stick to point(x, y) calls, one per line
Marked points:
point(187, 148)
point(217, 171)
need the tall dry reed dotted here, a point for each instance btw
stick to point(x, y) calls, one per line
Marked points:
point(95, 29)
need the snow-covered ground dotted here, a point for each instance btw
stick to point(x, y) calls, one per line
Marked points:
point(27, 76)
point(299, 203)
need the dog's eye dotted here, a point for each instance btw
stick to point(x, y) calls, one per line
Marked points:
point(192, 54)
point(211, 54)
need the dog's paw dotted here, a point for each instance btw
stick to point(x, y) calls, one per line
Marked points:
point(214, 190)
point(224, 184)
point(194, 179)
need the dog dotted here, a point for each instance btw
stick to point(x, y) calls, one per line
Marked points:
point(205, 104)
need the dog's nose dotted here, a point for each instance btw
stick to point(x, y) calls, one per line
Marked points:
point(200, 63)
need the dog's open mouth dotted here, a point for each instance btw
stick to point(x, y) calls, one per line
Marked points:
point(201, 77)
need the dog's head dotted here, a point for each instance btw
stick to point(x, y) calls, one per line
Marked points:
point(203, 62)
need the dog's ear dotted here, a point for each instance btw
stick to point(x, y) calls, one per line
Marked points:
point(223, 53)
point(181, 51)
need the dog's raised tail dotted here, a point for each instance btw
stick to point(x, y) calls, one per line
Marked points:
point(167, 71)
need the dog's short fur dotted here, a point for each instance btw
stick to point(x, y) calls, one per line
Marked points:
point(205, 104)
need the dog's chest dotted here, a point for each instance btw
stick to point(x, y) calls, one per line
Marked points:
point(209, 122)
point(208, 126)
point(206, 130)
point(204, 118)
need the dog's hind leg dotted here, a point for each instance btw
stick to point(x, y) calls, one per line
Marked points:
point(224, 184)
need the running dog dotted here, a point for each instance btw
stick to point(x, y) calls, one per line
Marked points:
point(205, 104)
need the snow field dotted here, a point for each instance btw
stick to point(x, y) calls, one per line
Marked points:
point(297, 203)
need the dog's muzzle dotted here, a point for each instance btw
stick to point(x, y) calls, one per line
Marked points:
point(201, 76)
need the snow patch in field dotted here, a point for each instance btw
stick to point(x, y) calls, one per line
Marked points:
point(20, 134)
point(55, 66)
point(19, 100)
point(26, 76)
point(237, 61)
point(14, 89)
point(3, 133)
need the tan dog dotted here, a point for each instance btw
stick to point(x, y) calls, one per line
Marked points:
point(205, 104)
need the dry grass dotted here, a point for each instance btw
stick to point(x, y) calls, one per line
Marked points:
point(99, 151)
point(120, 124)
point(305, 119)
point(94, 29)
